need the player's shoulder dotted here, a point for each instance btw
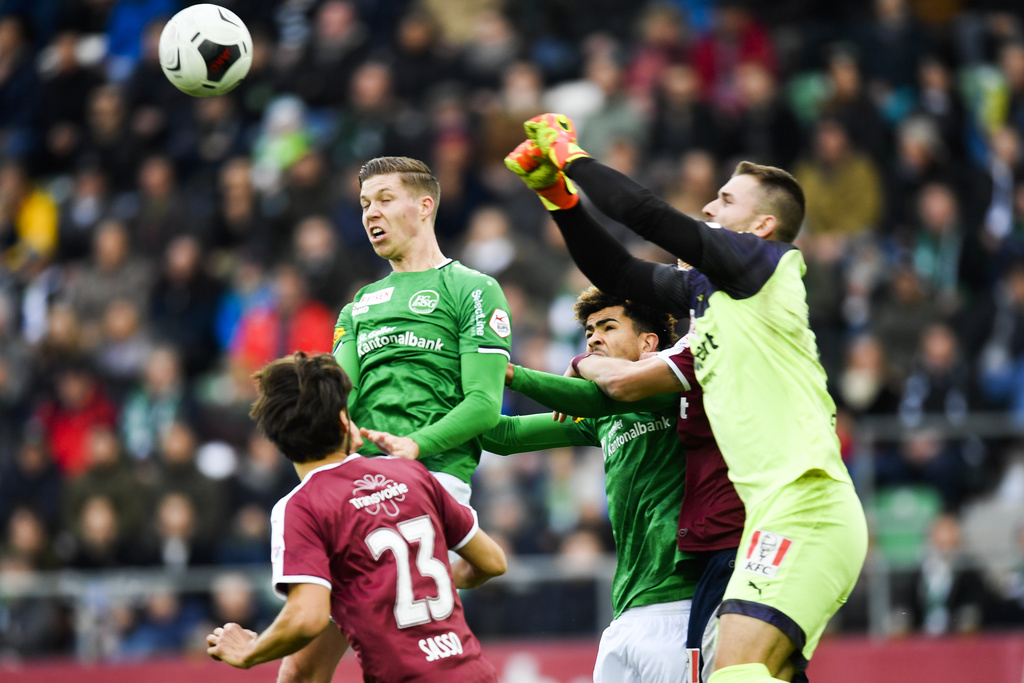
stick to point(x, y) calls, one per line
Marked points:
point(461, 273)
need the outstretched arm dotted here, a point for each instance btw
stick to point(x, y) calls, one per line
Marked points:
point(614, 270)
point(581, 398)
point(625, 380)
point(304, 616)
point(626, 201)
point(483, 377)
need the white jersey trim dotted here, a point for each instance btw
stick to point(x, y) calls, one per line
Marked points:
point(470, 535)
point(299, 578)
point(666, 357)
point(488, 349)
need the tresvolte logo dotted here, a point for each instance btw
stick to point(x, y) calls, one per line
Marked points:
point(424, 301)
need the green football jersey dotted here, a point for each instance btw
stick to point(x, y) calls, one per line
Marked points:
point(645, 470)
point(410, 330)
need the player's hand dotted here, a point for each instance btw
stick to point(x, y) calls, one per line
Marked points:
point(555, 135)
point(231, 644)
point(389, 444)
point(510, 373)
point(541, 176)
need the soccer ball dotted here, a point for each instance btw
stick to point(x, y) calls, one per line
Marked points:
point(205, 50)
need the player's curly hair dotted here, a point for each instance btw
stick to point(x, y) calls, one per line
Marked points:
point(782, 197)
point(645, 319)
point(416, 176)
point(299, 405)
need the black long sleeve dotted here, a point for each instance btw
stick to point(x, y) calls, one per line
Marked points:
point(626, 201)
point(614, 270)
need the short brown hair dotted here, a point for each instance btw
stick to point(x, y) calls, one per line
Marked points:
point(301, 399)
point(415, 175)
point(644, 318)
point(781, 197)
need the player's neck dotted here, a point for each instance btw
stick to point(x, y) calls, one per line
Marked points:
point(304, 468)
point(424, 255)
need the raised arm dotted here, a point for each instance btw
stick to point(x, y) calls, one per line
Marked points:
point(580, 398)
point(636, 207)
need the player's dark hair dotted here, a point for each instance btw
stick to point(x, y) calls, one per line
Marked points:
point(415, 175)
point(644, 318)
point(781, 197)
point(300, 401)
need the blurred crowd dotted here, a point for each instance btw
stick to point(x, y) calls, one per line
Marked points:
point(155, 249)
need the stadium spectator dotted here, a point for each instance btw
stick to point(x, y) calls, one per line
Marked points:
point(848, 102)
point(735, 38)
point(28, 220)
point(339, 44)
point(161, 627)
point(111, 476)
point(905, 309)
point(121, 351)
point(63, 97)
point(682, 122)
point(31, 479)
point(184, 304)
point(844, 188)
point(78, 407)
point(661, 44)
point(26, 536)
point(947, 595)
point(177, 474)
point(763, 127)
point(115, 273)
point(19, 89)
point(30, 627)
point(158, 400)
point(97, 541)
point(80, 213)
point(294, 322)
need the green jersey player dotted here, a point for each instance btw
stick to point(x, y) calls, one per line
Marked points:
point(805, 537)
point(645, 469)
point(426, 349)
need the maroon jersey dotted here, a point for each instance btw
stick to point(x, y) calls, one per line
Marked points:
point(376, 532)
point(712, 515)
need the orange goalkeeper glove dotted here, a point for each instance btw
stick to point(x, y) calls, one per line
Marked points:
point(555, 134)
point(529, 163)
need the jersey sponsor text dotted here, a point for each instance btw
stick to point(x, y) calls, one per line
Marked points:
point(638, 429)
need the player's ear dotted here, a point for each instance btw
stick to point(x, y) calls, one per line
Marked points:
point(765, 226)
point(426, 206)
point(648, 342)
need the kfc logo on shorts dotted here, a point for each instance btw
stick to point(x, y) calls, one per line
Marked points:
point(765, 553)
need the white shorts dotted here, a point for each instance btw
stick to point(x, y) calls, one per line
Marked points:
point(646, 644)
point(461, 491)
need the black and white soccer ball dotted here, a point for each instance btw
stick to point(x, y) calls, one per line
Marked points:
point(205, 50)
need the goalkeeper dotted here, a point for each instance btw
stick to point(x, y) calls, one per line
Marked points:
point(805, 537)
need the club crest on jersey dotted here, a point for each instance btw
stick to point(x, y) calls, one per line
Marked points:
point(424, 301)
point(370, 298)
point(765, 553)
point(500, 324)
point(375, 493)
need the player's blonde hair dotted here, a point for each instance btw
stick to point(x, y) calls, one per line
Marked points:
point(781, 196)
point(415, 175)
